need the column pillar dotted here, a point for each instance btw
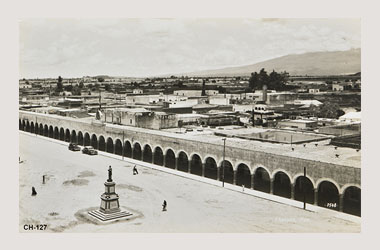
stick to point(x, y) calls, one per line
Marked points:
point(218, 174)
point(152, 157)
point(203, 169)
point(316, 196)
point(189, 169)
point(292, 186)
point(271, 185)
point(341, 202)
point(164, 160)
point(252, 181)
point(234, 180)
point(176, 163)
point(132, 152)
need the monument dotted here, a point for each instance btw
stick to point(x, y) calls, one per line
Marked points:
point(109, 206)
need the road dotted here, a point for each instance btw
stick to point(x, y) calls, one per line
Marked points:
point(74, 183)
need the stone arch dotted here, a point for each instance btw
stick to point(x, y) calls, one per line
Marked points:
point(274, 172)
point(67, 135)
point(32, 127)
point(86, 139)
point(352, 200)
point(304, 189)
point(170, 158)
point(56, 133)
point(27, 126)
point(158, 156)
point(243, 175)
point(183, 162)
point(118, 147)
point(61, 134)
point(51, 132)
point(307, 176)
point(74, 138)
point(80, 138)
point(228, 174)
point(41, 132)
point(281, 184)
point(102, 143)
point(127, 149)
point(210, 168)
point(109, 145)
point(137, 151)
point(147, 154)
point(328, 195)
point(46, 130)
point(37, 128)
point(94, 141)
point(196, 164)
point(319, 181)
point(261, 181)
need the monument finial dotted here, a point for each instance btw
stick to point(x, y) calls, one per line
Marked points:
point(109, 174)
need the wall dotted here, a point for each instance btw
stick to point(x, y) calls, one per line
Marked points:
point(317, 170)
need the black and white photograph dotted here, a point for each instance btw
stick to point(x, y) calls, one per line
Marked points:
point(195, 125)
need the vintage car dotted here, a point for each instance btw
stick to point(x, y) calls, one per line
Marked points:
point(89, 150)
point(74, 147)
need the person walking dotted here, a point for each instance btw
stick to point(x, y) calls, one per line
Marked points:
point(164, 205)
point(34, 192)
point(135, 170)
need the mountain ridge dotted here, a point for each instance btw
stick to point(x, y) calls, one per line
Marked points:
point(310, 63)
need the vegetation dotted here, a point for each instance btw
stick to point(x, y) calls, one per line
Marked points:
point(59, 84)
point(326, 110)
point(275, 81)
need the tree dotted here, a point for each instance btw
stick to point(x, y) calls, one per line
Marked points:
point(100, 79)
point(274, 80)
point(81, 84)
point(107, 87)
point(326, 110)
point(59, 84)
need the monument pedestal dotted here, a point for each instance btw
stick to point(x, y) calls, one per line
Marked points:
point(109, 206)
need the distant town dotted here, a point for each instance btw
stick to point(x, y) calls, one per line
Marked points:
point(309, 103)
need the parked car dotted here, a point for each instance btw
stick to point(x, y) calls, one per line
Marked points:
point(74, 147)
point(89, 150)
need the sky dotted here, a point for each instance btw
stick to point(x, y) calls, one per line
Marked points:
point(152, 47)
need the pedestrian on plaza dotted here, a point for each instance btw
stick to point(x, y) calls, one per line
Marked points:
point(135, 170)
point(34, 193)
point(164, 205)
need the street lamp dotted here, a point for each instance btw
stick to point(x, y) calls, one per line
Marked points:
point(224, 155)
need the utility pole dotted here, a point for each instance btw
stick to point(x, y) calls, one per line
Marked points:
point(122, 157)
point(304, 192)
point(224, 155)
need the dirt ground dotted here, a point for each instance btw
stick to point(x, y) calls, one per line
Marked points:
point(75, 181)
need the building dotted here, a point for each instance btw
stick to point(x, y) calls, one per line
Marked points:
point(313, 91)
point(298, 124)
point(140, 117)
point(351, 117)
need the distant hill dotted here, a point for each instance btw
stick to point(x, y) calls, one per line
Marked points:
point(313, 63)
